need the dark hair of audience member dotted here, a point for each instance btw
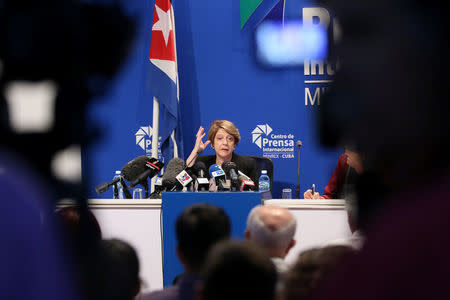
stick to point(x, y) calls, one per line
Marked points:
point(79, 225)
point(119, 264)
point(82, 234)
point(199, 227)
point(238, 270)
point(311, 269)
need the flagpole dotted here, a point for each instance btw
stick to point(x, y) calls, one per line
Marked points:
point(155, 137)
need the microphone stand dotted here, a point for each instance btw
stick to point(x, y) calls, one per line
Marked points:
point(126, 191)
point(144, 183)
point(299, 145)
point(222, 186)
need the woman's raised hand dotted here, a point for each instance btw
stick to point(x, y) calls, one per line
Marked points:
point(199, 145)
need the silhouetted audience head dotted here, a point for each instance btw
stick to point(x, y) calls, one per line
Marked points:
point(310, 270)
point(238, 270)
point(82, 234)
point(79, 224)
point(272, 228)
point(199, 227)
point(120, 265)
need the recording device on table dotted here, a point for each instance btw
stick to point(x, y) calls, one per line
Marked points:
point(288, 43)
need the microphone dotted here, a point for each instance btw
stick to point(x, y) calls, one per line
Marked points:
point(134, 168)
point(192, 184)
point(103, 187)
point(220, 179)
point(245, 183)
point(139, 169)
point(201, 182)
point(169, 180)
point(230, 169)
point(299, 145)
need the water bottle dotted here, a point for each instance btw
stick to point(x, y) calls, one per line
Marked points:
point(119, 187)
point(264, 182)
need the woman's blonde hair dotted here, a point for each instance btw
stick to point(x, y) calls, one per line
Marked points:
point(225, 125)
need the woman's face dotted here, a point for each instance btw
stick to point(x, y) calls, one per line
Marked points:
point(223, 143)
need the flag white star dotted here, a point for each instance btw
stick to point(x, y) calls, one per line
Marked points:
point(164, 23)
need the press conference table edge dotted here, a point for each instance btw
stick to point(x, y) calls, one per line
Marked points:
point(156, 203)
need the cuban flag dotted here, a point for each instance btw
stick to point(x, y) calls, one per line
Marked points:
point(163, 79)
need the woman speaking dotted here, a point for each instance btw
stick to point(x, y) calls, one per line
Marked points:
point(223, 137)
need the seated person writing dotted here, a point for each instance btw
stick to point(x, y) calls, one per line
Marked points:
point(349, 166)
point(223, 137)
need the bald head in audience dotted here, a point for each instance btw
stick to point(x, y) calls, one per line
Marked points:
point(273, 229)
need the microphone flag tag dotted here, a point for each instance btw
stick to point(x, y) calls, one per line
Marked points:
point(217, 173)
point(184, 178)
point(202, 180)
point(247, 185)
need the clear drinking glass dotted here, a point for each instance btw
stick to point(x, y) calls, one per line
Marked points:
point(137, 193)
point(287, 194)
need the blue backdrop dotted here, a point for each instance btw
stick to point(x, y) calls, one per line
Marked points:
point(219, 79)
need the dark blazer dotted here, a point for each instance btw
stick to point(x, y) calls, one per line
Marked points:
point(245, 164)
point(183, 290)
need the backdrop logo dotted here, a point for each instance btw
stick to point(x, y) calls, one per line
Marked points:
point(144, 139)
point(258, 132)
point(273, 145)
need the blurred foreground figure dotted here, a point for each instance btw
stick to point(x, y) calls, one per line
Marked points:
point(390, 98)
point(32, 256)
point(55, 56)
